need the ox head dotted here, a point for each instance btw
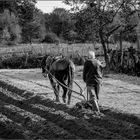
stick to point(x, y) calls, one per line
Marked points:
point(43, 65)
point(46, 64)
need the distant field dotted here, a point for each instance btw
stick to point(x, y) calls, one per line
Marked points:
point(66, 49)
point(49, 48)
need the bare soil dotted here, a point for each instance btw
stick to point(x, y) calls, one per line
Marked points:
point(28, 109)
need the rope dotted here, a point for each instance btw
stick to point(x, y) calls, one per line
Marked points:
point(79, 87)
point(66, 86)
point(44, 85)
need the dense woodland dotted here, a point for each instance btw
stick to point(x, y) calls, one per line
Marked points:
point(22, 21)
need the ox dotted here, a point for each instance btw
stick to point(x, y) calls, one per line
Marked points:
point(60, 72)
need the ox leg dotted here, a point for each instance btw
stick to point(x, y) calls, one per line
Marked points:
point(70, 85)
point(64, 93)
point(61, 77)
point(69, 97)
point(56, 91)
point(56, 88)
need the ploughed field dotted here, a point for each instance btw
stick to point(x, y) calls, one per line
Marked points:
point(28, 109)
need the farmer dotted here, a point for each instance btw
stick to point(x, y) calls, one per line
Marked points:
point(92, 76)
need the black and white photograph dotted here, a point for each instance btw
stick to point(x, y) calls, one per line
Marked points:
point(69, 69)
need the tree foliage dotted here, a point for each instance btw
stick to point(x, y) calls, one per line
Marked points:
point(21, 20)
point(102, 18)
point(51, 38)
point(60, 22)
point(91, 20)
point(10, 29)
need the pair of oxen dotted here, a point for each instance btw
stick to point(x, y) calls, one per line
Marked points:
point(60, 72)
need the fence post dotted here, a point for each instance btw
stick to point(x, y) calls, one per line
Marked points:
point(26, 58)
point(67, 50)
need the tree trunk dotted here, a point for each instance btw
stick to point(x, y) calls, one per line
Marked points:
point(121, 48)
point(138, 42)
point(105, 51)
point(107, 43)
point(138, 37)
point(30, 40)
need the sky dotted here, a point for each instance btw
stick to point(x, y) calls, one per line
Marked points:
point(48, 6)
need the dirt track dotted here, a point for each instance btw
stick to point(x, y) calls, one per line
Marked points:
point(27, 110)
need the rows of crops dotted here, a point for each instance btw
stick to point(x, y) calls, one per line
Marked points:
point(80, 48)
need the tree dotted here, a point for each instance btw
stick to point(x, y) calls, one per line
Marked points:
point(34, 28)
point(30, 31)
point(56, 24)
point(26, 19)
point(60, 22)
point(32, 21)
point(40, 19)
point(47, 22)
point(22, 18)
point(9, 27)
point(99, 16)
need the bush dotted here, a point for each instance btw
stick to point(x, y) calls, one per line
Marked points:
point(78, 60)
point(31, 61)
point(51, 38)
point(20, 62)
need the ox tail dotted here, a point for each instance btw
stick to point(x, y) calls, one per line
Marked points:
point(43, 64)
